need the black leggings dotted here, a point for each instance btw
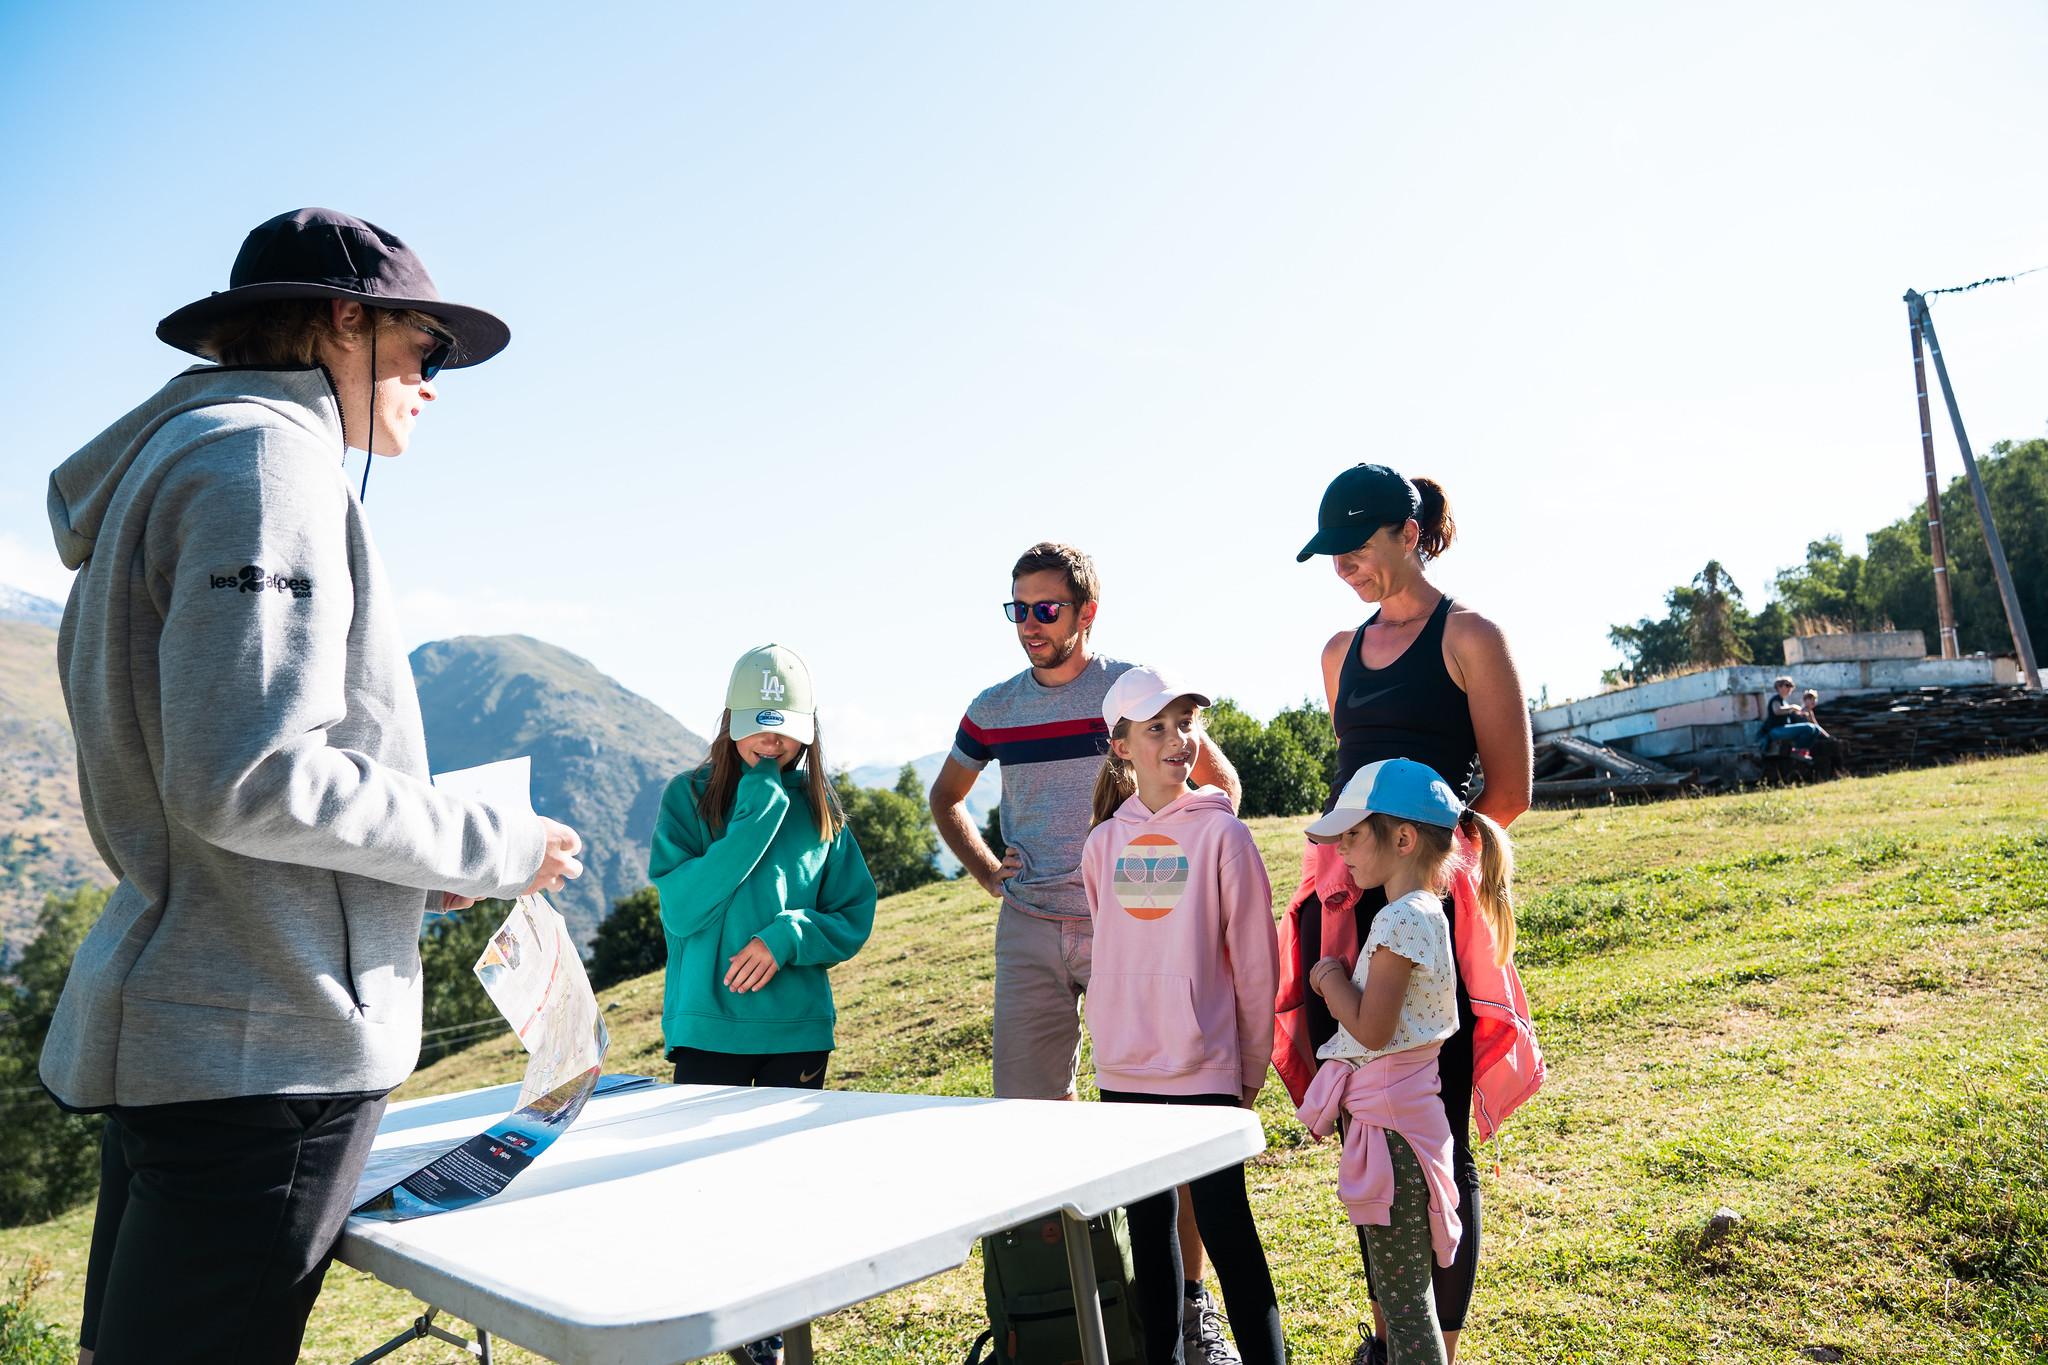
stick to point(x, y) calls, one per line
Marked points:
point(795, 1070)
point(1453, 1283)
point(1224, 1215)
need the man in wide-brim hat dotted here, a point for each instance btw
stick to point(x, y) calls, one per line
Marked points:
point(253, 770)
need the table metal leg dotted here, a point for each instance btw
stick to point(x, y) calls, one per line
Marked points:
point(424, 1326)
point(796, 1347)
point(1087, 1301)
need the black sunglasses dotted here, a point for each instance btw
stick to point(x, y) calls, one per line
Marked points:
point(431, 363)
point(1046, 612)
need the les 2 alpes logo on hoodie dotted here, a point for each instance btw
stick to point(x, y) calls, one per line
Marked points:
point(252, 578)
point(1151, 876)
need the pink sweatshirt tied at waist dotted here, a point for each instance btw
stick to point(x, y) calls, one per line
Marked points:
point(1395, 1093)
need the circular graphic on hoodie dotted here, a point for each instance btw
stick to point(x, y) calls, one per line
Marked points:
point(1151, 876)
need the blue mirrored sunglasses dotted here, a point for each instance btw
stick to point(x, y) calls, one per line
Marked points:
point(443, 348)
point(1046, 612)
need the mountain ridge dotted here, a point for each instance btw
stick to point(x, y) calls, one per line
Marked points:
point(602, 754)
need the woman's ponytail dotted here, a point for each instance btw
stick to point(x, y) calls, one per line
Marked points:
point(1496, 880)
point(1116, 783)
point(1433, 520)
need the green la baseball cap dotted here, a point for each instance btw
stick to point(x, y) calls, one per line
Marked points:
point(770, 691)
point(1358, 502)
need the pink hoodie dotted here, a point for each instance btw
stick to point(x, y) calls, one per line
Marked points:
point(1186, 959)
point(1395, 1093)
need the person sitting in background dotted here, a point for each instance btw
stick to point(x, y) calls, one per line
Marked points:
point(1792, 723)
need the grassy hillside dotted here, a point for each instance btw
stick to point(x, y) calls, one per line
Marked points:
point(44, 846)
point(1822, 1009)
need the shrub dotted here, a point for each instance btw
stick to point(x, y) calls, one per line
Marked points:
point(53, 1156)
point(894, 830)
point(24, 1338)
point(455, 1011)
point(630, 942)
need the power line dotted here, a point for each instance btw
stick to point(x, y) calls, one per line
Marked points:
point(1979, 284)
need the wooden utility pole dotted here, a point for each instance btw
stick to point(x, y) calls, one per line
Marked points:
point(2014, 617)
point(1944, 605)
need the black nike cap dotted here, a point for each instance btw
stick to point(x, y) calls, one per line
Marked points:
point(1357, 503)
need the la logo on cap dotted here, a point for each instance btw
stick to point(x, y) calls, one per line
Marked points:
point(772, 687)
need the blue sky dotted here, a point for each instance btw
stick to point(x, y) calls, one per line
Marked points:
point(821, 314)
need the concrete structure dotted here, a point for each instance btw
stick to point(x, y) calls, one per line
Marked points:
point(1712, 720)
point(1853, 646)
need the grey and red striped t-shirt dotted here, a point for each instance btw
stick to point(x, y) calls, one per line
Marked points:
point(1050, 742)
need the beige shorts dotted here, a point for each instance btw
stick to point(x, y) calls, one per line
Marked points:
point(1041, 974)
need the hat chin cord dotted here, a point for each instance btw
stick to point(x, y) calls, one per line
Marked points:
point(370, 426)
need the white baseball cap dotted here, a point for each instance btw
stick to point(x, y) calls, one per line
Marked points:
point(1142, 693)
point(770, 692)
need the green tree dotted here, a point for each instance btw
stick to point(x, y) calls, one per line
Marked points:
point(630, 942)
point(1231, 727)
point(1827, 587)
point(1654, 646)
point(1284, 766)
point(1892, 582)
point(992, 832)
point(1704, 625)
point(53, 1157)
point(1715, 619)
point(1309, 723)
point(1280, 777)
point(894, 830)
point(1767, 632)
point(455, 1012)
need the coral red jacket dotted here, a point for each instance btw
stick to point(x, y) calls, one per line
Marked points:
point(1507, 1064)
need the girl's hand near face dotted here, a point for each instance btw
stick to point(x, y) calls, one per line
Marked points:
point(751, 968)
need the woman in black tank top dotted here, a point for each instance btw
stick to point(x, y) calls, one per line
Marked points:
point(1425, 680)
point(1409, 709)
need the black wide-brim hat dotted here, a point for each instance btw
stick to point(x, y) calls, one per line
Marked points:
point(321, 254)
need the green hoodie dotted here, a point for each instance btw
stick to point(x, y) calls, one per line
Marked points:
point(767, 876)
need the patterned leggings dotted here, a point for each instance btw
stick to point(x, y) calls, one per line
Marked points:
point(1402, 1262)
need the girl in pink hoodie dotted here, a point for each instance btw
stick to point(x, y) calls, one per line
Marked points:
point(1395, 824)
point(1180, 994)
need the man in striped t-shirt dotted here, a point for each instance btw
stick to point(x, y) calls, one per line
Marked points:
point(1045, 728)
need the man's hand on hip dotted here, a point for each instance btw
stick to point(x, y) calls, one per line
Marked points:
point(992, 878)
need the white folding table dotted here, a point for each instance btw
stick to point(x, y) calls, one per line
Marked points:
point(675, 1222)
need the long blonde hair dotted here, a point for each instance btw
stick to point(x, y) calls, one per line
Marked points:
point(1436, 844)
point(723, 766)
point(1117, 782)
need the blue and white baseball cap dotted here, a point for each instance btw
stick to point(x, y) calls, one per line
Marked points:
point(1399, 787)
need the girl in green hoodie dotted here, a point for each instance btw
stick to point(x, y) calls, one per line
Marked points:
point(762, 888)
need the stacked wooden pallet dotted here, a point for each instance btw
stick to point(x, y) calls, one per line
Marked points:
point(1572, 769)
point(1883, 730)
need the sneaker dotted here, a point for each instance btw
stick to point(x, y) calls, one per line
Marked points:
point(767, 1351)
point(1371, 1351)
point(1201, 1332)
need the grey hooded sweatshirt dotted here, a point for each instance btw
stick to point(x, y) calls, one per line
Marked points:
point(250, 758)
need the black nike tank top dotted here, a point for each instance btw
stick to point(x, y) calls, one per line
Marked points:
point(1409, 709)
